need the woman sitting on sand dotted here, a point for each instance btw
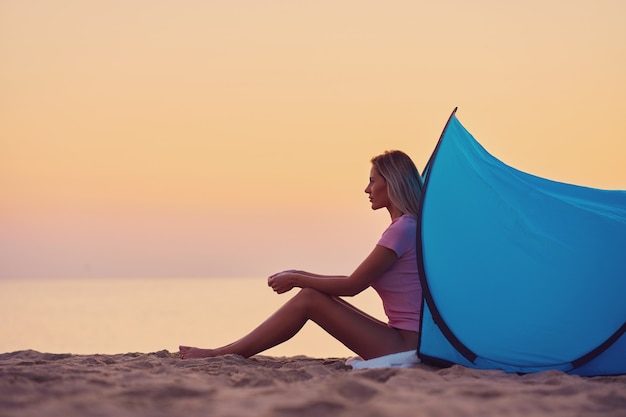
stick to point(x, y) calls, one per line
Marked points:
point(391, 269)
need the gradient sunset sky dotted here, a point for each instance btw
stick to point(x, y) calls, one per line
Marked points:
point(232, 138)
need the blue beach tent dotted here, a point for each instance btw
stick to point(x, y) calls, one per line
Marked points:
point(519, 273)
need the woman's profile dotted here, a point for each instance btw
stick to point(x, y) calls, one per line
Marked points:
point(391, 269)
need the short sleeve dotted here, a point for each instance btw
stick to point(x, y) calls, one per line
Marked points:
point(400, 235)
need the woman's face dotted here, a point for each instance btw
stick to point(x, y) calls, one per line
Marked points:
point(377, 190)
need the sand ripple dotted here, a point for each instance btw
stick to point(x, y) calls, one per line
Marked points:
point(160, 384)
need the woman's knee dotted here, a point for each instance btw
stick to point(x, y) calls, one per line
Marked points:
point(308, 298)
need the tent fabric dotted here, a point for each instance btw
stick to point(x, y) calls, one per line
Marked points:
point(519, 273)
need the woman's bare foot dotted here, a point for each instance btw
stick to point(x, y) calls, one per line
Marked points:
point(187, 352)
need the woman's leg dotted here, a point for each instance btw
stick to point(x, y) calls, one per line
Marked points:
point(359, 332)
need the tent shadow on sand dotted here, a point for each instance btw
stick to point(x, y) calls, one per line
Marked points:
point(520, 273)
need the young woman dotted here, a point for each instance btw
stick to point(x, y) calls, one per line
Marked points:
point(391, 269)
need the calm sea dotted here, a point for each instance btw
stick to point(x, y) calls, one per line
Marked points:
point(88, 316)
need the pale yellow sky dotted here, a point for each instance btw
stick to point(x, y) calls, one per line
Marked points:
point(213, 138)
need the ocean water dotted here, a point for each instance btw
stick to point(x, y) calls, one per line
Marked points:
point(107, 316)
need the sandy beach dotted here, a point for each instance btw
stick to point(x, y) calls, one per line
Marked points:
point(160, 384)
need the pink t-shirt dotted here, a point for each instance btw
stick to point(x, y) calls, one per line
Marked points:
point(399, 286)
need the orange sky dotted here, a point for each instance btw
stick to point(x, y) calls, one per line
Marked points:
point(232, 138)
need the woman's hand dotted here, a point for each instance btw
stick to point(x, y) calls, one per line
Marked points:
point(283, 281)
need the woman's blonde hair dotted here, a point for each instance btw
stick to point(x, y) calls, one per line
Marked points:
point(404, 183)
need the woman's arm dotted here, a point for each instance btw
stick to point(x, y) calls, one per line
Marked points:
point(377, 262)
point(309, 274)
